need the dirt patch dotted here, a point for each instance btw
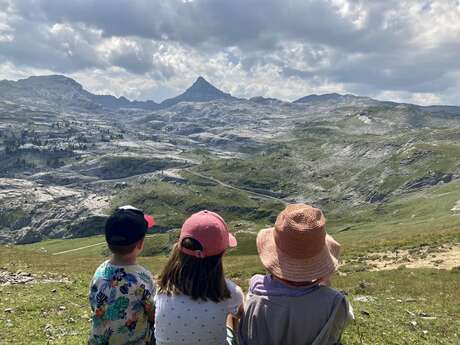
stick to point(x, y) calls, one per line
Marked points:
point(442, 257)
point(456, 207)
point(20, 277)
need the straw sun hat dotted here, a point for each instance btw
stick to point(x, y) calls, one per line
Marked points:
point(297, 248)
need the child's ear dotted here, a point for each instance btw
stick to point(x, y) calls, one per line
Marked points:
point(140, 244)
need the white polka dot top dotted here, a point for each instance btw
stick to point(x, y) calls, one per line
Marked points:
point(179, 320)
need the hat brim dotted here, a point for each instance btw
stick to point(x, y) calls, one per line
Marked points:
point(150, 221)
point(232, 242)
point(293, 269)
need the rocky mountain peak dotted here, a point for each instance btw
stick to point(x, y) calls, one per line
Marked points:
point(200, 91)
point(319, 98)
point(201, 80)
point(201, 87)
point(266, 100)
point(61, 91)
point(331, 97)
point(51, 81)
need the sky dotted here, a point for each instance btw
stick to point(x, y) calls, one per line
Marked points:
point(407, 51)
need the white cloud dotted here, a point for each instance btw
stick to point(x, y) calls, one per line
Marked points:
point(406, 50)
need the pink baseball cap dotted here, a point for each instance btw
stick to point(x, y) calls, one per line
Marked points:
point(210, 230)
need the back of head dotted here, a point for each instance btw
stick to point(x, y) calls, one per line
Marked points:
point(199, 278)
point(122, 250)
point(125, 228)
point(298, 249)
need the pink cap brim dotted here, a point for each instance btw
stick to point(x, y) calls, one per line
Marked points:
point(150, 221)
point(232, 242)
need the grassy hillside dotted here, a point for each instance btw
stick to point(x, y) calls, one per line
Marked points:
point(171, 203)
point(330, 166)
point(404, 221)
point(400, 306)
point(393, 307)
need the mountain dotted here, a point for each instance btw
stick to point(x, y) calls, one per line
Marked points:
point(62, 169)
point(266, 100)
point(200, 91)
point(331, 97)
point(112, 102)
point(47, 91)
point(61, 91)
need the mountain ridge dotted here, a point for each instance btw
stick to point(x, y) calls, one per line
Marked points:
point(76, 154)
point(60, 90)
point(200, 91)
point(64, 91)
point(315, 98)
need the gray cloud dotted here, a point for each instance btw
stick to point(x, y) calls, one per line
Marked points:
point(247, 23)
point(367, 47)
point(41, 44)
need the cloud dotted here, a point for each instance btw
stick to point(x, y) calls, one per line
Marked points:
point(155, 48)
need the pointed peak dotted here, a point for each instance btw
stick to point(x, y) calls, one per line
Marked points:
point(200, 91)
point(201, 82)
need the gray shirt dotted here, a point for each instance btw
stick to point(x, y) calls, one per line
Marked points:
point(275, 314)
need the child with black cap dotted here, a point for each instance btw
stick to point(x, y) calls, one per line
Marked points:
point(121, 291)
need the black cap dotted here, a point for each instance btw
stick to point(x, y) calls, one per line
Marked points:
point(126, 226)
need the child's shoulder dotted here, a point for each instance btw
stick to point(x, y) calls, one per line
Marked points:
point(101, 270)
point(331, 294)
point(231, 285)
point(144, 274)
point(330, 290)
point(108, 271)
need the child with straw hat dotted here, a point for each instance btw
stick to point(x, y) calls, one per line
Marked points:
point(292, 304)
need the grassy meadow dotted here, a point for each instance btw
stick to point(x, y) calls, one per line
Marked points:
point(400, 306)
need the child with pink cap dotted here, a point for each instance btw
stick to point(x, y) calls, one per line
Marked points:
point(194, 301)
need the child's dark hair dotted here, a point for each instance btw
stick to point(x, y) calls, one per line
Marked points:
point(199, 278)
point(123, 250)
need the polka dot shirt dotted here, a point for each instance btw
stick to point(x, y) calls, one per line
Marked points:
point(181, 320)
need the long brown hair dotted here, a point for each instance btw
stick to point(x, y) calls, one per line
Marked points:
point(199, 278)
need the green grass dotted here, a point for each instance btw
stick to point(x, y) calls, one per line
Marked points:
point(310, 165)
point(407, 306)
point(268, 170)
point(115, 167)
point(392, 316)
point(155, 244)
point(41, 316)
point(404, 221)
point(58, 245)
point(172, 204)
point(399, 298)
point(409, 220)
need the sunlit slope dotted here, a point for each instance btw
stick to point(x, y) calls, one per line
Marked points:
point(417, 305)
point(428, 216)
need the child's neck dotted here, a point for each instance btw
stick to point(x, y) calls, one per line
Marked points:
point(296, 285)
point(125, 260)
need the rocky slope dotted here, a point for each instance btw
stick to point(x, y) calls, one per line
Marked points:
point(66, 153)
point(200, 91)
point(57, 91)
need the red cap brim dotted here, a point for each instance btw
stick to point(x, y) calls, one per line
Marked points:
point(232, 242)
point(150, 221)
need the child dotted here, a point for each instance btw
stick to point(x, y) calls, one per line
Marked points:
point(121, 292)
point(194, 298)
point(292, 304)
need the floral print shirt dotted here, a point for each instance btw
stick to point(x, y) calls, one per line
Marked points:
point(121, 299)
